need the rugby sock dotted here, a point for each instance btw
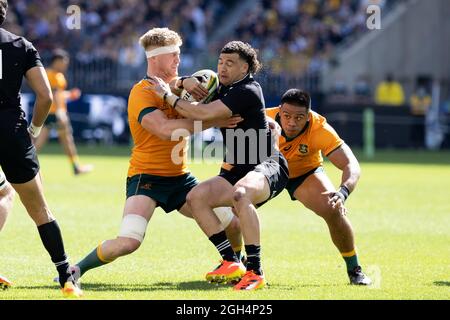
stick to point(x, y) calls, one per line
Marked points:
point(74, 160)
point(51, 238)
point(238, 252)
point(351, 259)
point(93, 260)
point(254, 258)
point(75, 163)
point(222, 244)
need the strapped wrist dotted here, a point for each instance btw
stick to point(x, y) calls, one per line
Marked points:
point(175, 103)
point(344, 191)
point(172, 100)
point(34, 130)
point(180, 86)
point(165, 96)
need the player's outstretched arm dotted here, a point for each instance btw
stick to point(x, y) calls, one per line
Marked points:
point(344, 159)
point(195, 111)
point(38, 81)
point(158, 124)
point(199, 111)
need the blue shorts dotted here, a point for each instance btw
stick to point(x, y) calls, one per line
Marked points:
point(168, 192)
point(294, 183)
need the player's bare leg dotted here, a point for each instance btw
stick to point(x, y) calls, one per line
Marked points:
point(65, 137)
point(314, 194)
point(249, 191)
point(137, 213)
point(6, 200)
point(213, 193)
point(6, 203)
point(32, 197)
point(234, 235)
point(228, 221)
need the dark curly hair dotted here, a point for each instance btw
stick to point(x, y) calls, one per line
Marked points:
point(246, 52)
point(3, 9)
point(297, 97)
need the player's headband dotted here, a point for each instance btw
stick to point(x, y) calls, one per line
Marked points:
point(162, 50)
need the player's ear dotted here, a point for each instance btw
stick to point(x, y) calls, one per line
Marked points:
point(245, 67)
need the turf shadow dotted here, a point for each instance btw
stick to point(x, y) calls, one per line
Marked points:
point(286, 287)
point(179, 286)
point(442, 283)
point(123, 287)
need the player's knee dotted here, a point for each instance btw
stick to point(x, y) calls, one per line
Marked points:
point(128, 245)
point(132, 232)
point(10, 197)
point(239, 194)
point(196, 195)
point(328, 213)
point(7, 194)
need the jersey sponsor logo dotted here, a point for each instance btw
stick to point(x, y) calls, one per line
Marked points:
point(146, 186)
point(303, 148)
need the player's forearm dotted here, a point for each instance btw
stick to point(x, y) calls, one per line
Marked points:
point(41, 108)
point(176, 128)
point(194, 111)
point(344, 159)
point(350, 175)
point(38, 81)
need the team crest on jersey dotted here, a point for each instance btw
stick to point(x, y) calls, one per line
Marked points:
point(303, 148)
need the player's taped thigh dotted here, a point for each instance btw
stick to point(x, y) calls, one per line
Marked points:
point(225, 215)
point(133, 226)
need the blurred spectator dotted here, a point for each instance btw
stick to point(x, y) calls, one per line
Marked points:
point(362, 90)
point(294, 37)
point(308, 29)
point(339, 92)
point(390, 92)
point(420, 102)
point(111, 25)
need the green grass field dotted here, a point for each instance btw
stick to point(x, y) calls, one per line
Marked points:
point(400, 212)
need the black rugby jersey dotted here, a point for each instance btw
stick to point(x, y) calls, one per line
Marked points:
point(17, 56)
point(249, 143)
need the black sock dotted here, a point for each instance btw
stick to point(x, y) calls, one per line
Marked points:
point(253, 258)
point(222, 244)
point(53, 243)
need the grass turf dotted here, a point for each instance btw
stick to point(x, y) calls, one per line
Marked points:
point(400, 213)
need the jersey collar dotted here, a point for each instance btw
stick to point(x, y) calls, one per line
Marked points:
point(248, 77)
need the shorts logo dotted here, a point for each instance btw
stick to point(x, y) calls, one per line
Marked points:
point(146, 186)
point(303, 148)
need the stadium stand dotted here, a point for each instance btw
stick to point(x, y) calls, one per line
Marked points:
point(303, 32)
point(297, 40)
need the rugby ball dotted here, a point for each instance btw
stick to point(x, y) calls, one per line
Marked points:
point(210, 82)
